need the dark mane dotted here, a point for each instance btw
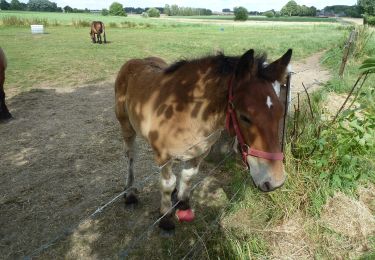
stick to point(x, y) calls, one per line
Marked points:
point(225, 65)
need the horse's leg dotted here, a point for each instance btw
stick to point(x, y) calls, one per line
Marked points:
point(130, 196)
point(129, 135)
point(182, 195)
point(168, 184)
point(92, 35)
point(99, 38)
point(4, 112)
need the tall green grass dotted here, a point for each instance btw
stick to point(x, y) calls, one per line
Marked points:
point(19, 21)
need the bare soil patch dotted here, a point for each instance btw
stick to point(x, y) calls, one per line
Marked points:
point(62, 157)
point(310, 73)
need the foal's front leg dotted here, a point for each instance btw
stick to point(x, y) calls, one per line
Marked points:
point(182, 195)
point(168, 184)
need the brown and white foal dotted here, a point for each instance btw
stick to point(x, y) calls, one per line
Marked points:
point(181, 110)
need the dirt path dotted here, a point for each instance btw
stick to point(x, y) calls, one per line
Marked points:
point(62, 157)
point(310, 73)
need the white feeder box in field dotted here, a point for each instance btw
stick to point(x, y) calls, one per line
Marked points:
point(37, 28)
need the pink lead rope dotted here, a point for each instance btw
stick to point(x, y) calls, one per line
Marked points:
point(245, 149)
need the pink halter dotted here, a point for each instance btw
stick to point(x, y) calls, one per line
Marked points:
point(231, 120)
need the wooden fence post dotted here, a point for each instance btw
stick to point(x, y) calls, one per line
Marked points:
point(285, 99)
point(346, 52)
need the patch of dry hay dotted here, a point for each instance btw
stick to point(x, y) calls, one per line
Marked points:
point(348, 217)
point(290, 240)
point(286, 241)
point(353, 224)
point(367, 196)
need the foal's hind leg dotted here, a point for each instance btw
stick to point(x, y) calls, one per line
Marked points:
point(129, 135)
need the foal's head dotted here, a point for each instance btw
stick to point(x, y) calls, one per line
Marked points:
point(256, 86)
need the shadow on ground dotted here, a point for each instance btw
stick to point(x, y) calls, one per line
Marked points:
point(62, 158)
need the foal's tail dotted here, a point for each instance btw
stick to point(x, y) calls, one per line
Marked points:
point(103, 28)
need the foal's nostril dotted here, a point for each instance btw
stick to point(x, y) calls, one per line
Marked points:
point(267, 186)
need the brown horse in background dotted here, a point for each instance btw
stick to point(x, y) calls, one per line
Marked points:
point(181, 110)
point(4, 112)
point(97, 28)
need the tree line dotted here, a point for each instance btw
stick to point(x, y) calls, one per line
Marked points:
point(38, 5)
point(363, 8)
point(175, 10)
point(32, 5)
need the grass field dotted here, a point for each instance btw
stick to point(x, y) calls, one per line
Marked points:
point(56, 58)
point(65, 57)
point(261, 18)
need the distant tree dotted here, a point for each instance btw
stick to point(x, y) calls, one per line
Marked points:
point(105, 12)
point(153, 12)
point(4, 5)
point(42, 5)
point(226, 10)
point(15, 5)
point(167, 10)
point(23, 6)
point(174, 10)
point(312, 11)
point(133, 10)
point(367, 6)
point(269, 14)
point(68, 9)
point(290, 9)
point(116, 9)
point(240, 14)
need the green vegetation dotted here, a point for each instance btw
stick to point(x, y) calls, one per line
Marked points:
point(175, 10)
point(293, 9)
point(370, 20)
point(367, 7)
point(116, 9)
point(153, 12)
point(277, 18)
point(352, 11)
point(240, 14)
point(105, 12)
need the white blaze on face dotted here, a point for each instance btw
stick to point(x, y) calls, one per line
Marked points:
point(276, 87)
point(269, 102)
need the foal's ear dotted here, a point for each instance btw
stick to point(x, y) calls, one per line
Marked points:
point(276, 70)
point(245, 63)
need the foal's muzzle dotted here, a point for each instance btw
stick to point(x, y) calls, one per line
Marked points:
point(267, 175)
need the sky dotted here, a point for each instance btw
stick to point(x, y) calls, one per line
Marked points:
point(214, 5)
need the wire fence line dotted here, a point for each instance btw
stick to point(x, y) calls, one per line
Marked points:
point(123, 254)
point(215, 222)
point(69, 230)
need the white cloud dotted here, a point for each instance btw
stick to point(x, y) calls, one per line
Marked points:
point(215, 5)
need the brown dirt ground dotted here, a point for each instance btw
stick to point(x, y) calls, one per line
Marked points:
point(62, 158)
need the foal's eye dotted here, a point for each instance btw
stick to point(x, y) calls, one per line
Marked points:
point(245, 119)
